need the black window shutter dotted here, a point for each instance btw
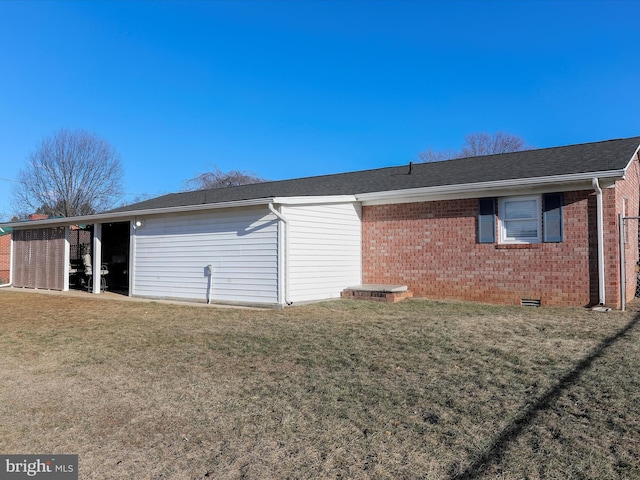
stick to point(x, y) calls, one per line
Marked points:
point(552, 217)
point(487, 220)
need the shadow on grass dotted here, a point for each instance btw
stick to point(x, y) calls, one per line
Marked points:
point(496, 450)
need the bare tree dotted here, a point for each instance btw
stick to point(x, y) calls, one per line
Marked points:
point(431, 155)
point(219, 179)
point(478, 144)
point(139, 197)
point(70, 173)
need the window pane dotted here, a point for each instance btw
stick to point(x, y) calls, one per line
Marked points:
point(515, 209)
point(518, 229)
point(520, 219)
point(553, 230)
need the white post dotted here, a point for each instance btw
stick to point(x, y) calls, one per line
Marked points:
point(67, 259)
point(132, 252)
point(97, 256)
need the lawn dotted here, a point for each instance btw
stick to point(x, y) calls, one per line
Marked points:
point(342, 389)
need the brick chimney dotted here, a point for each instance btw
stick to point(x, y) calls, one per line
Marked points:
point(38, 216)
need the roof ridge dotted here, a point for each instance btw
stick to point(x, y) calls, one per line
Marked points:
point(389, 167)
point(536, 149)
point(604, 155)
point(325, 175)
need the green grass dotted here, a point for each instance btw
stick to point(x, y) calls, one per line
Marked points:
point(341, 389)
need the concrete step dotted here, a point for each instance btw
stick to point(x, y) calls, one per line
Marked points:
point(377, 292)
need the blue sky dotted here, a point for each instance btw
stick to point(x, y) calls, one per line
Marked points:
point(290, 89)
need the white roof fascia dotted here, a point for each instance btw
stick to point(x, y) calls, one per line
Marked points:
point(577, 181)
point(637, 152)
point(103, 217)
point(315, 200)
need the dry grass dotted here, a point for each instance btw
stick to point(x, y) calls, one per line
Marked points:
point(335, 390)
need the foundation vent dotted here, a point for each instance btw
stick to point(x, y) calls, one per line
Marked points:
point(529, 302)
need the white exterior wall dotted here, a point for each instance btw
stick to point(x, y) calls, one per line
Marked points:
point(325, 250)
point(170, 253)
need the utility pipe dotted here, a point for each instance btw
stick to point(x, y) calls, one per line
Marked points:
point(209, 270)
point(285, 254)
point(600, 227)
point(10, 263)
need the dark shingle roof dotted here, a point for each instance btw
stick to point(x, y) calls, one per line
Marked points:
point(547, 162)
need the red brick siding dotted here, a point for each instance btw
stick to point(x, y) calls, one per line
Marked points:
point(5, 245)
point(432, 248)
point(627, 194)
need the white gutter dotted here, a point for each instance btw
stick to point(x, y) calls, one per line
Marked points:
point(474, 188)
point(285, 252)
point(315, 200)
point(600, 227)
point(10, 262)
point(103, 217)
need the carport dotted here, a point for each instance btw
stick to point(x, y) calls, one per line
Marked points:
point(52, 257)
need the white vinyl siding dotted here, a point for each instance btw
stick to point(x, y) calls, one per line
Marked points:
point(325, 245)
point(171, 253)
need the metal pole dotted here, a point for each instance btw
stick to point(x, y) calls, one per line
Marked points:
point(623, 269)
point(623, 261)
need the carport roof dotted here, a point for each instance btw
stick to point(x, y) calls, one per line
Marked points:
point(597, 157)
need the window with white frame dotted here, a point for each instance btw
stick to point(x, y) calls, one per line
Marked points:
point(520, 219)
point(523, 219)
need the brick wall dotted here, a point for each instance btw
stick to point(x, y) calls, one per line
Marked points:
point(432, 248)
point(627, 201)
point(5, 244)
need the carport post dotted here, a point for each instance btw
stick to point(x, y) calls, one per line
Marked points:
point(97, 256)
point(67, 256)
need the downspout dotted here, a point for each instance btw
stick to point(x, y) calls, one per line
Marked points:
point(285, 253)
point(10, 262)
point(600, 227)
